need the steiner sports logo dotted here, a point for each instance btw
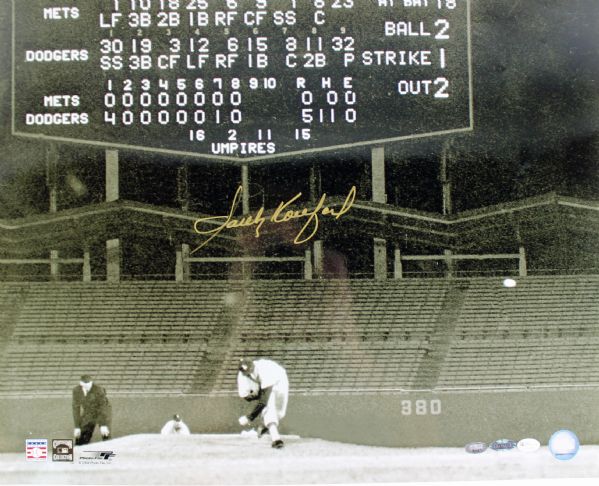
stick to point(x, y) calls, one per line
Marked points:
point(62, 450)
point(96, 457)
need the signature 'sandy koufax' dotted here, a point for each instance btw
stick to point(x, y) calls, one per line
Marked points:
point(281, 214)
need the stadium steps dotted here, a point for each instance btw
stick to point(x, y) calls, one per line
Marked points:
point(430, 366)
point(207, 368)
point(11, 304)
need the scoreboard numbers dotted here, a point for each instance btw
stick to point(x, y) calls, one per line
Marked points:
point(286, 77)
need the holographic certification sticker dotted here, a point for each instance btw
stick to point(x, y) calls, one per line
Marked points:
point(503, 445)
point(564, 445)
point(476, 447)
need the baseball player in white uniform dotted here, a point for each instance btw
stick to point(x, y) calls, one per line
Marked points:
point(266, 382)
point(176, 426)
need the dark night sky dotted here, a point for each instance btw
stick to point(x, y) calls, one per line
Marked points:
point(536, 92)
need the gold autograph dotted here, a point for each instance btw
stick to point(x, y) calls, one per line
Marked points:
point(281, 214)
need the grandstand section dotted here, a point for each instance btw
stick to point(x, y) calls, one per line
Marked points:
point(332, 335)
point(543, 332)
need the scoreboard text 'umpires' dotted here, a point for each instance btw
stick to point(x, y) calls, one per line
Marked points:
point(240, 79)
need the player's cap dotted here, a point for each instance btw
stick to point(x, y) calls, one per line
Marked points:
point(245, 365)
point(177, 417)
point(86, 379)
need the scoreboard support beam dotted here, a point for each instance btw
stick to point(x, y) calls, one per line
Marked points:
point(246, 272)
point(112, 175)
point(52, 176)
point(378, 175)
point(315, 182)
point(245, 185)
point(445, 177)
point(52, 184)
point(183, 186)
point(379, 195)
point(113, 247)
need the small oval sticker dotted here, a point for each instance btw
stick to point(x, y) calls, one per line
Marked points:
point(529, 445)
point(476, 447)
point(503, 445)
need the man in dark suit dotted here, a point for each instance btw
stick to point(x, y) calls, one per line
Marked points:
point(90, 408)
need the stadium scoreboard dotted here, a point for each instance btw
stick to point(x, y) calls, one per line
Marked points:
point(240, 80)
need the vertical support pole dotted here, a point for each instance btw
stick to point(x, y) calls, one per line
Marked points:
point(113, 246)
point(316, 253)
point(245, 184)
point(52, 184)
point(182, 265)
point(522, 267)
point(378, 175)
point(380, 259)
point(183, 186)
point(318, 258)
point(397, 266)
point(308, 264)
point(52, 176)
point(112, 175)
point(315, 183)
point(379, 195)
point(87, 267)
point(246, 270)
point(186, 266)
point(245, 206)
point(113, 260)
point(178, 265)
point(54, 266)
point(449, 263)
point(446, 179)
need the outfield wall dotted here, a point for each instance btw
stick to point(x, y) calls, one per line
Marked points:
point(404, 420)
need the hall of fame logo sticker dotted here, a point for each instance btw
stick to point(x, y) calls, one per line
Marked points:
point(36, 450)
